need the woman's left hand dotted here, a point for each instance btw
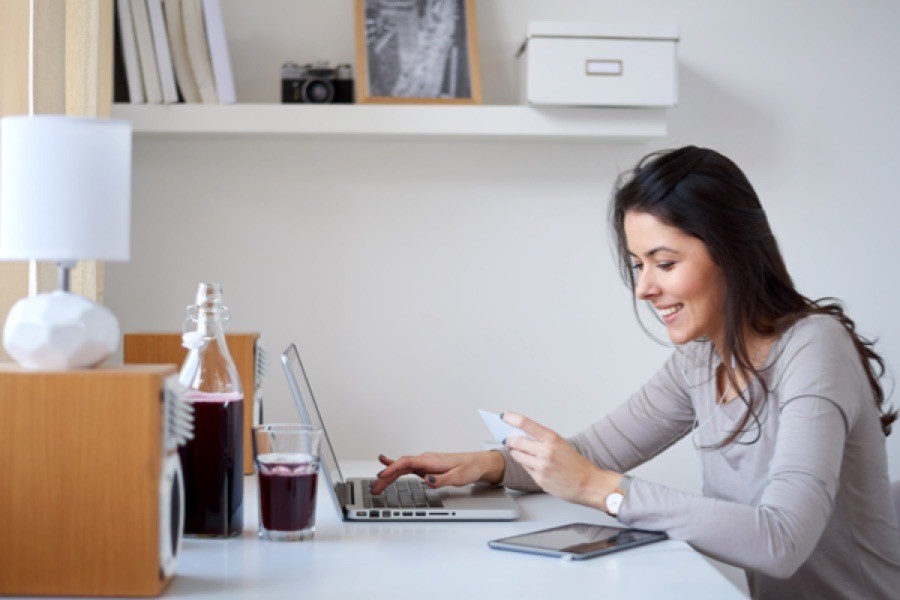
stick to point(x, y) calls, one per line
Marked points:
point(556, 465)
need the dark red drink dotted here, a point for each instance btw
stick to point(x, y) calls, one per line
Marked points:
point(287, 492)
point(213, 465)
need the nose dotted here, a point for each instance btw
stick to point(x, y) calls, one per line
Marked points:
point(645, 287)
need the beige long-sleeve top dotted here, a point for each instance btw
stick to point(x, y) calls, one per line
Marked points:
point(805, 509)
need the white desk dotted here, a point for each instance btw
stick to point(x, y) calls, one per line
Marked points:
point(433, 560)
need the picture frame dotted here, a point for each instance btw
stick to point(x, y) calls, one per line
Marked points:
point(417, 52)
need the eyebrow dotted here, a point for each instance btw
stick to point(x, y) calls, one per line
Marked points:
point(655, 250)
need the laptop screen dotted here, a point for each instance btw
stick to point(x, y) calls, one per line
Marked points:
point(309, 412)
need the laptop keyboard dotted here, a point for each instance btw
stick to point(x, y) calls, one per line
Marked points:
point(403, 493)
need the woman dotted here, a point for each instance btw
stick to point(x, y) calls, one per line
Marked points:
point(779, 393)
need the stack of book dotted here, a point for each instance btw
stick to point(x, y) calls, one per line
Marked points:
point(170, 51)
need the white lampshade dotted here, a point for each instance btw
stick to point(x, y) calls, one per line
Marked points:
point(65, 188)
point(65, 196)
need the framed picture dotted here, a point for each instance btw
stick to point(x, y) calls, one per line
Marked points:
point(417, 51)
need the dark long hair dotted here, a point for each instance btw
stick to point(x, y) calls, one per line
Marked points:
point(706, 195)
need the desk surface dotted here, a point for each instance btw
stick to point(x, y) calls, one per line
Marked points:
point(434, 559)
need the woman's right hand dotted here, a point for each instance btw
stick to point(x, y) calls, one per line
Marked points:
point(440, 469)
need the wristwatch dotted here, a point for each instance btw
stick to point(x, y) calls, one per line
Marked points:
point(613, 501)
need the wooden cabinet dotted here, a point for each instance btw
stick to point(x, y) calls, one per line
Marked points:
point(80, 490)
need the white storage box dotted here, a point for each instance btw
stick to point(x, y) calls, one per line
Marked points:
point(592, 64)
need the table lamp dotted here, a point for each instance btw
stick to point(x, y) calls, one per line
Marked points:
point(65, 196)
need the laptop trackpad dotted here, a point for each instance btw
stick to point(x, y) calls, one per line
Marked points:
point(473, 496)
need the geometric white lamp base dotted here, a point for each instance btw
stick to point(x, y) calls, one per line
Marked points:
point(60, 330)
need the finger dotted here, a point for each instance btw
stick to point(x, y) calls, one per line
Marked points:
point(531, 463)
point(532, 428)
point(399, 473)
point(405, 465)
point(535, 477)
point(378, 485)
point(454, 476)
point(385, 460)
point(394, 471)
point(526, 445)
point(382, 481)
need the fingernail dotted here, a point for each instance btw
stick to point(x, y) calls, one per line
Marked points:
point(431, 479)
point(380, 472)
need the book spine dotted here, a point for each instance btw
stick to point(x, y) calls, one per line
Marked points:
point(218, 50)
point(146, 53)
point(198, 50)
point(130, 52)
point(184, 74)
point(163, 56)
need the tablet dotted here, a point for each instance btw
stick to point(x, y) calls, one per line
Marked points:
point(577, 541)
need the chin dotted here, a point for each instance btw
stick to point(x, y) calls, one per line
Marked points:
point(679, 337)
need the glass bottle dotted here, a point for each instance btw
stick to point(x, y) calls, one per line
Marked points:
point(213, 460)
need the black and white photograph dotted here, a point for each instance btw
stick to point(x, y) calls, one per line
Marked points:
point(417, 50)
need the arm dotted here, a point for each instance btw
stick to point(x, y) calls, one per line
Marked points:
point(820, 386)
point(655, 417)
point(779, 534)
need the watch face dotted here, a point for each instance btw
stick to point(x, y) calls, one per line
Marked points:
point(613, 502)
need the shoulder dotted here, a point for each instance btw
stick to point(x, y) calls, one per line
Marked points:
point(817, 357)
point(817, 334)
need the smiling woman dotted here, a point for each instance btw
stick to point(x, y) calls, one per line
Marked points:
point(676, 274)
point(800, 461)
point(779, 393)
point(740, 294)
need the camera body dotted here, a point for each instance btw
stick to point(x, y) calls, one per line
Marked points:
point(316, 84)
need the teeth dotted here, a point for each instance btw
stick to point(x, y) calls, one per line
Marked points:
point(671, 310)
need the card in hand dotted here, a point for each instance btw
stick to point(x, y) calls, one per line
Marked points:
point(500, 428)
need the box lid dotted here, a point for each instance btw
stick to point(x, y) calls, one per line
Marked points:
point(581, 29)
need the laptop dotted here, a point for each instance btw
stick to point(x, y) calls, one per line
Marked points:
point(408, 498)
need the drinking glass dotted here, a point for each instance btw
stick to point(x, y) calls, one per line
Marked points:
point(286, 457)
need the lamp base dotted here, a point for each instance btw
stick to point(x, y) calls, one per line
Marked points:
point(60, 330)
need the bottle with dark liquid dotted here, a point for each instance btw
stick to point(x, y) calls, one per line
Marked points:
point(213, 461)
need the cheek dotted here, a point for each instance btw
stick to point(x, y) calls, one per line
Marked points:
point(710, 296)
point(705, 291)
point(689, 289)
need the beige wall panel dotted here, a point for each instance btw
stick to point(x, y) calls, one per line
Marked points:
point(13, 101)
point(89, 47)
point(49, 57)
point(13, 57)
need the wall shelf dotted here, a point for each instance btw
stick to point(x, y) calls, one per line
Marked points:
point(397, 121)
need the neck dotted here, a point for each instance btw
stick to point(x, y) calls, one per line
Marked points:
point(756, 346)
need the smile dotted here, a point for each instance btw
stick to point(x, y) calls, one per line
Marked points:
point(668, 314)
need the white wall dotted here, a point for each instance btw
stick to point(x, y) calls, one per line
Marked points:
point(423, 280)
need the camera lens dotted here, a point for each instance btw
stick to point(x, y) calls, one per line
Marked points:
point(317, 91)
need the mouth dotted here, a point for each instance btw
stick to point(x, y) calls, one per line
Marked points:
point(669, 313)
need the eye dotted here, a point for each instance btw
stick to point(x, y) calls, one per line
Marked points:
point(666, 266)
point(636, 266)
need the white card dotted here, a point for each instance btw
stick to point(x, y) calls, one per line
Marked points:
point(499, 428)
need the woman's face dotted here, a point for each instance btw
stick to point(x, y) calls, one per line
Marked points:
point(675, 273)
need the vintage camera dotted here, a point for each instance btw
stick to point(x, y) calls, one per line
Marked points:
point(316, 84)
